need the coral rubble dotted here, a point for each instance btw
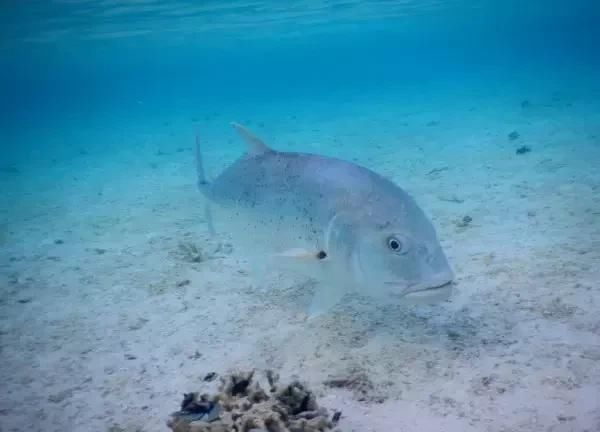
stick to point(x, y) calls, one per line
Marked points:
point(243, 405)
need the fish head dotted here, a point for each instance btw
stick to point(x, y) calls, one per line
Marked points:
point(396, 253)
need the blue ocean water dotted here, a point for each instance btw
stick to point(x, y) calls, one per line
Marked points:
point(487, 111)
point(74, 56)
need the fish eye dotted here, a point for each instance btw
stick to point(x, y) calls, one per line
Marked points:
point(394, 244)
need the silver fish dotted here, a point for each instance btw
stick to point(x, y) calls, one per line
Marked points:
point(340, 224)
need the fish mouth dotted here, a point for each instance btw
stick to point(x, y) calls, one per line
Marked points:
point(431, 293)
point(444, 290)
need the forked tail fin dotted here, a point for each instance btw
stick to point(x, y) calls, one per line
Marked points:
point(203, 186)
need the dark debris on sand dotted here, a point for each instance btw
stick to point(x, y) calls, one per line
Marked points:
point(523, 150)
point(243, 405)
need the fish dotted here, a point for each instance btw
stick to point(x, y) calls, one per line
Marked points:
point(341, 225)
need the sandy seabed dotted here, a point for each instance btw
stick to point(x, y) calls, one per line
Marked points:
point(115, 301)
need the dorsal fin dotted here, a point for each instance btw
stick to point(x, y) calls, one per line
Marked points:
point(255, 145)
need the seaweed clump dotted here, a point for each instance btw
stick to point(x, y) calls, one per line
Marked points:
point(242, 405)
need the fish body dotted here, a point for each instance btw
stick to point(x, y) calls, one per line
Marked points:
point(343, 225)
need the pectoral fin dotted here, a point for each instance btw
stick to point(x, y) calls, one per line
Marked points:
point(304, 254)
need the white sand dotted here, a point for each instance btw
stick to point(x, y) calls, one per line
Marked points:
point(96, 333)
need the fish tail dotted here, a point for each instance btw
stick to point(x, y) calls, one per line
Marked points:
point(203, 186)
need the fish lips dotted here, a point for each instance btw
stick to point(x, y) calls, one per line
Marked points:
point(432, 292)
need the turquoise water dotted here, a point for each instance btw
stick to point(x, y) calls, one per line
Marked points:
point(73, 56)
point(114, 299)
point(62, 59)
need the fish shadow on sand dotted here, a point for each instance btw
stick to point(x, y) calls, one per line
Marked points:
point(357, 319)
point(435, 327)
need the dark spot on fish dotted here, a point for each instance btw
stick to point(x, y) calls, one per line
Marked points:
point(322, 255)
